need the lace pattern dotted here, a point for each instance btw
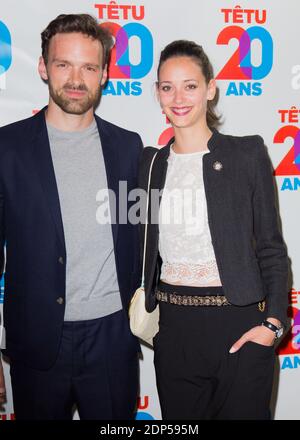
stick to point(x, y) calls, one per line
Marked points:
point(184, 235)
point(191, 274)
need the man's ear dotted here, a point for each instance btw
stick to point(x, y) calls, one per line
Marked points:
point(104, 75)
point(42, 69)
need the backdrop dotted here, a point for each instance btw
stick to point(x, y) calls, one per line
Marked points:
point(253, 47)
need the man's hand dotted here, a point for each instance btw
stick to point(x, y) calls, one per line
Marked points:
point(260, 335)
point(2, 385)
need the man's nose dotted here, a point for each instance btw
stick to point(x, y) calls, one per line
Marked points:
point(76, 76)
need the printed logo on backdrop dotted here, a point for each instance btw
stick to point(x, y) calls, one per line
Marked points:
point(142, 405)
point(296, 77)
point(5, 53)
point(290, 163)
point(132, 54)
point(10, 416)
point(252, 61)
point(167, 134)
point(289, 348)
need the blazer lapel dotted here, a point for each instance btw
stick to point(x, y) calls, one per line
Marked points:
point(45, 169)
point(158, 178)
point(111, 161)
point(160, 167)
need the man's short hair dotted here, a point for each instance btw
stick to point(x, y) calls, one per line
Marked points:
point(82, 23)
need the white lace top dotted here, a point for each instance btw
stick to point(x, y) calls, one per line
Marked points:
point(184, 236)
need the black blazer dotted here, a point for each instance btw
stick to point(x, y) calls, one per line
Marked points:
point(242, 217)
point(31, 225)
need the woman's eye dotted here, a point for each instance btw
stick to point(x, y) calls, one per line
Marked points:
point(166, 88)
point(191, 86)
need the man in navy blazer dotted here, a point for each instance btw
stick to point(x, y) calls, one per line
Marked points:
point(69, 275)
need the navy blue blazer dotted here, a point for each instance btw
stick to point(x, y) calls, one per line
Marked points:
point(31, 226)
point(243, 220)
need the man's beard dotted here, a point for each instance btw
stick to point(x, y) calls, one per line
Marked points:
point(72, 105)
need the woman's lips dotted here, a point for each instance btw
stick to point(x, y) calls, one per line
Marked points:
point(181, 111)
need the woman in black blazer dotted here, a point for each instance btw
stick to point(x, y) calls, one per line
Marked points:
point(215, 259)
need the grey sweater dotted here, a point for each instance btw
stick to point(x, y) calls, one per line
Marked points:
point(92, 289)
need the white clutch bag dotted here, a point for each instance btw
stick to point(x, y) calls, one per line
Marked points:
point(142, 323)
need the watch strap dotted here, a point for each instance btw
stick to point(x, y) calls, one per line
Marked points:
point(272, 327)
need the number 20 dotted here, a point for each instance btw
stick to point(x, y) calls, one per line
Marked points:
point(240, 66)
point(289, 166)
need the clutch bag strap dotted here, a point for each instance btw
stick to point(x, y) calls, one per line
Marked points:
point(146, 220)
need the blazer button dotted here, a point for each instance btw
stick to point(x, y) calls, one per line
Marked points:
point(61, 260)
point(60, 300)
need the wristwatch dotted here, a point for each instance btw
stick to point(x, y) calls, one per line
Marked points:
point(277, 330)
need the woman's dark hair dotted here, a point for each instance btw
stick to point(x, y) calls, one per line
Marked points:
point(186, 48)
point(82, 23)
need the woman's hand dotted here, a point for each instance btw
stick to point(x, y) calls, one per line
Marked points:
point(259, 334)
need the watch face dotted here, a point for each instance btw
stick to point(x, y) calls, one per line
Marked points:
point(279, 333)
